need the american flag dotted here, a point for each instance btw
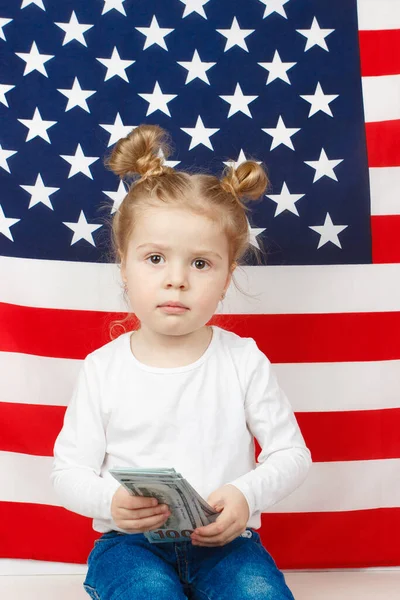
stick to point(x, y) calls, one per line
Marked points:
point(311, 89)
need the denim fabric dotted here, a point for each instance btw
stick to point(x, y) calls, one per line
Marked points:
point(126, 567)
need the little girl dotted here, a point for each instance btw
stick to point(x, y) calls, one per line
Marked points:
point(178, 393)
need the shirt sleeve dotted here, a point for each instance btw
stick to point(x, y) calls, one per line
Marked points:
point(79, 451)
point(284, 462)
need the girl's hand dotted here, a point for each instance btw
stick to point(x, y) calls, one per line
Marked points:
point(137, 514)
point(231, 522)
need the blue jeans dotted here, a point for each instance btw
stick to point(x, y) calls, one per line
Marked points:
point(126, 567)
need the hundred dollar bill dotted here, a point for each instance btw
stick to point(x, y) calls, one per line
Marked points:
point(188, 509)
point(202, 507)
point(170, 475)
point(139, 484)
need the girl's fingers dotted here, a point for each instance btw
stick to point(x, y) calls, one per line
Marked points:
point(221, 539)
point(142, 525)
point(127, 514)
point(159, 524)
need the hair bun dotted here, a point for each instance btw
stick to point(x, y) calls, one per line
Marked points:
point(249, 180)
point(139, 152)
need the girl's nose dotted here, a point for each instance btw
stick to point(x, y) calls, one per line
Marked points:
point(177, 277)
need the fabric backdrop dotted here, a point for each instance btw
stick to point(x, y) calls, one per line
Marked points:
point(311, 89)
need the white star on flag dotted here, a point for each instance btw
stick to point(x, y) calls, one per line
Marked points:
point(117, 130)
point(328, 232)
point(239, 102)
point(37, 127)
point(281, 135)
point(38, 3)
point(3, 91)
point(154, 34)
point(196, 68)
point(277, 69)
point(235, 36)
point(74, 30)
point(79, 162)
point(241, 158)
point(40, 193)
point(315, 36)
point(82, 229)
point(4, 155)
point(77, 96)
point(200, 134)
point(3, 23)
point(323, 166)
point(319, 101)
point(167, 163)
point(116, 65)
point(6, 223)
point(113, 5)
point(157, 100)
point(34, 60)
point(272, 6)
point(253, 233)
point(194, 6)
point(285, 201)
point(117, 197)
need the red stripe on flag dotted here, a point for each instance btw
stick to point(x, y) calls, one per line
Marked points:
point(336, 337)
point(364, 434)
point(351, 539)
point(385, 230)
point(334, 540)
point(30, 428)
point(45, 532)
point(379, 52)
point(383, 146)
point(53, 332)
point(283, 338)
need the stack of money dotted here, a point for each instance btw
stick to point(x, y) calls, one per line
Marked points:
point(188, 509)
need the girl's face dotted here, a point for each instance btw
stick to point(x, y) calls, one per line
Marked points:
point(175, 255)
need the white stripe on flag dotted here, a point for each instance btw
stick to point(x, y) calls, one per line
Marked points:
point(367, 484)
point(345, 386)
point(378, 14)
point(381, 97)
point(385, 190)
point(272, 289)
point(343, 486)
point(60, 284)
point(352, 385)
point(28, 479)
point(29, 379)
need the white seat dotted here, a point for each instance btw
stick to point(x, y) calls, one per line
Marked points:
point(371, 584)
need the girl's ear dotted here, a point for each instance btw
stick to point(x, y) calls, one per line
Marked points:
point(229, 277)
point(123, 265)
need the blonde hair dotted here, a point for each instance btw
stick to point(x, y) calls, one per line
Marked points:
point(139, 160)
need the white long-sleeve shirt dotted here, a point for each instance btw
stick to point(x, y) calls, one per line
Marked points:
point(199, 418)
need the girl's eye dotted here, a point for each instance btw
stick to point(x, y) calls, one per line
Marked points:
point(199, 262)
point(154, 256)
